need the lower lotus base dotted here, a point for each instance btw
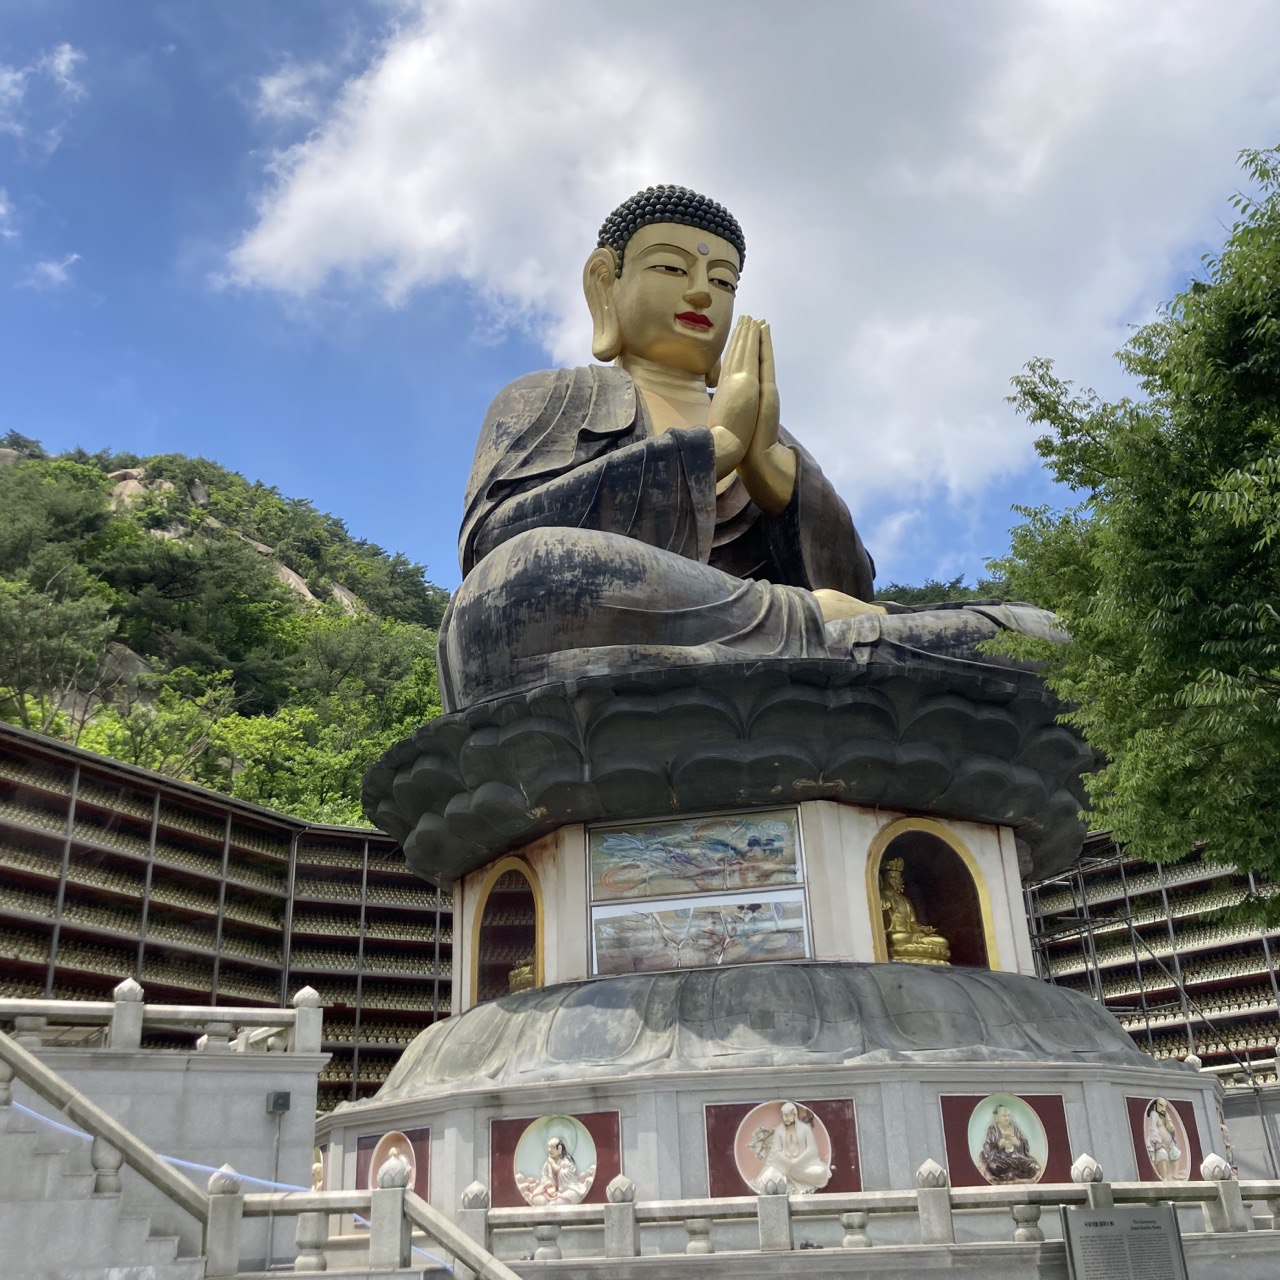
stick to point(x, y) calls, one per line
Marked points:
point(681, 1082)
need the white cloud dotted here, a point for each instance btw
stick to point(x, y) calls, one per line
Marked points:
point(60, 65)
point(13, 88)
point(36, 98)
point(7, 230)
point(51, 275)
point(931, 195)
point(292, 92)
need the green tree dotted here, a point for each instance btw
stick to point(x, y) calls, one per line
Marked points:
point(169, 726)
point(935, 591)
point(45, 501)
point(1166, 574)
point(24, 445)
point(364, 684)
point(54, 627)
point(251, 688)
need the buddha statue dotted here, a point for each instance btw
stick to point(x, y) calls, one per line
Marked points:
point(651, 511)
point(909, 940)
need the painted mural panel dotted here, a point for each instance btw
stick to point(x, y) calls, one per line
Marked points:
point(696, 855)
point(1005, 1139)
point(699, 933)
point(813, 1145)
point(1165, 1142)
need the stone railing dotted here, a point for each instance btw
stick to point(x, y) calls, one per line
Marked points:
point(38, 1023)
point(392, 1212)
point(772, 1222)
point(768, 1223)
point(112, 1145)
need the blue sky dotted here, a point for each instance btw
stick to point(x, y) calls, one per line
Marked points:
point(311, 242)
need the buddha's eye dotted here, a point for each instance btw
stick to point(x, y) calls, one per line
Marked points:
point(729, 285)
point(669, 269)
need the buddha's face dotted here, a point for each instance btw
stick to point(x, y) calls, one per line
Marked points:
point(674, 299)
point(788, 1115)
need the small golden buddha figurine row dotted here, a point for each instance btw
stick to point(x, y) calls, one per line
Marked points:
point(909, 940)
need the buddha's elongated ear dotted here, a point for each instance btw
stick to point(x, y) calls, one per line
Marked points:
point(598, 281)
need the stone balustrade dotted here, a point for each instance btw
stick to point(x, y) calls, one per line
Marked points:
point(125, 1017)
point(933, 1213)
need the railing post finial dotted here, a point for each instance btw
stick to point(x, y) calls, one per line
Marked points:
point(933, 1204)
point(226, 1217)
point(475, 1196)
point(127, 1016)
point(308, 1021)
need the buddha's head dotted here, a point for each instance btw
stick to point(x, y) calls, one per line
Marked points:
point(661, 281)
point(892, 875)
point(788, 1113)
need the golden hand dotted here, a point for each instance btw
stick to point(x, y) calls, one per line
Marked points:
point(769, 468)
point(736, 403)
point(835, 604)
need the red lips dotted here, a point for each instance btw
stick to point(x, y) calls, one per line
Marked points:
point(696, 319)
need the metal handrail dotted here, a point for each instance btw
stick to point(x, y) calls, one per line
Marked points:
point(50, 1086)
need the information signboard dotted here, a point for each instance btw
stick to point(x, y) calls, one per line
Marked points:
point(1127, 1242)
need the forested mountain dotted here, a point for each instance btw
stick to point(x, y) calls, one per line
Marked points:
point(171, 613)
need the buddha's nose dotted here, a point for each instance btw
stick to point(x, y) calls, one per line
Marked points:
point(698, 294)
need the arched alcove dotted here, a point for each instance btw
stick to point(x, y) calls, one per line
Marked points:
point(507, 932)
point(942, 880)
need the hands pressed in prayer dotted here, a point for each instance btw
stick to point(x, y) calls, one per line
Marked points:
point(744, 419)
point(735, 406)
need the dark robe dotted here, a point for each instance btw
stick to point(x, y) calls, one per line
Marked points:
point(591, 545)
point(1018, 1165)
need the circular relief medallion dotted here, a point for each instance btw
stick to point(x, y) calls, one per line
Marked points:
point(783, 1139)
point(555, 1161)
point(1007, 1140)
point(1164, 1137)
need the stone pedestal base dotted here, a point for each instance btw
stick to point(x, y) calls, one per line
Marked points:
point(889, 1065)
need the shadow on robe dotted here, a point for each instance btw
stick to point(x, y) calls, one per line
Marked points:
point(592, 545)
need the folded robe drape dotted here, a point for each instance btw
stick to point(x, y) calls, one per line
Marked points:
point(591, 544)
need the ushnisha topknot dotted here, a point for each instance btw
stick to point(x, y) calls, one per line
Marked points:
point(667, 203)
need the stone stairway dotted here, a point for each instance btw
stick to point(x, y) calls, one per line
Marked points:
point(52, 1226)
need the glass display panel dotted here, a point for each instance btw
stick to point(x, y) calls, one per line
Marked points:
point(702, 932)
point(748, 851)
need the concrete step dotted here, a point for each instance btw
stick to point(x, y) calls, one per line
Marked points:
point(26, 1174)
point(79, 1235)
point(41, 1176)
point(412, 1273)
point(183, 1269)
point(60, 1234)
point(132, 1237)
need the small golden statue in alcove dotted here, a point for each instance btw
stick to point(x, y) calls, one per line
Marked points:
point(909, 940)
